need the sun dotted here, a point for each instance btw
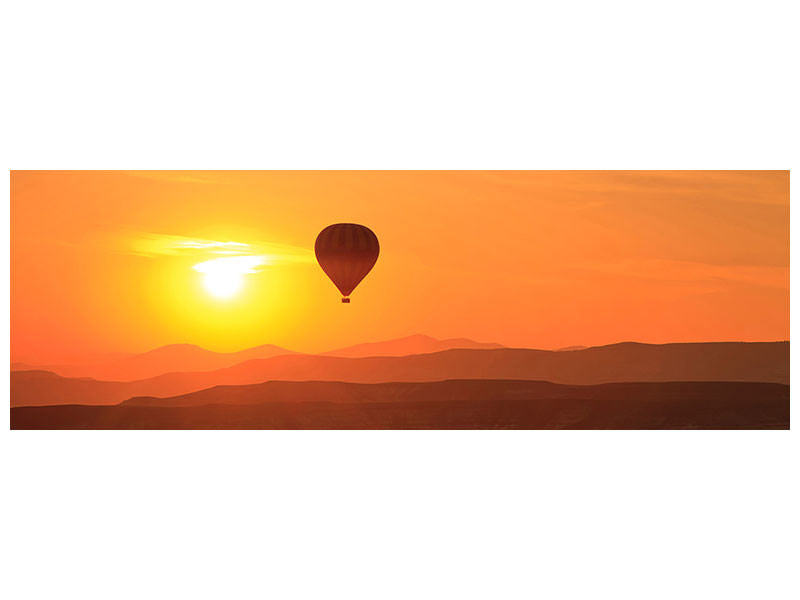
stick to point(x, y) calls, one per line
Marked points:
point(223, 278)
point(222, 284)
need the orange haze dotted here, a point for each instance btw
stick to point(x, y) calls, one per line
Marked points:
point(105, 261)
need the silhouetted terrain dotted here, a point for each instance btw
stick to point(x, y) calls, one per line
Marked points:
point(166, 359)
point(36, 388)
point(460, 404)
point(717, 361)
point(187, 358)
point(28, 361)
point(413, 344)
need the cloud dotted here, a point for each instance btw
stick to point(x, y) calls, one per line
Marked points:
point(156, 244)
point(206, 177)
point(769, 188)
point(674, 271)
point(233, 264)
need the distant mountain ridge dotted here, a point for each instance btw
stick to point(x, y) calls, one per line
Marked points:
point(412, 344)
point(186, 358)
point(712, 361)
point(165, 359)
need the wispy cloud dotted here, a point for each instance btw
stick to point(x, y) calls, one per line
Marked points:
point(672, 271)
point(235, 264)
point(157, 244)
point(207, 177)
point(632, 186)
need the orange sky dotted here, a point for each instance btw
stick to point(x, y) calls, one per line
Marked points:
point(104, 261)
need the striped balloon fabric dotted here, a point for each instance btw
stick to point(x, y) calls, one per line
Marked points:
point(346, 252)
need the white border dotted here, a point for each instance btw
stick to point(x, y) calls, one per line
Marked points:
point(400, 514)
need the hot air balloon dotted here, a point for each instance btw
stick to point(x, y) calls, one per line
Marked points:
point(346, 252)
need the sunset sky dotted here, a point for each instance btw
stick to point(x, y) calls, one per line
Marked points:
point(128, 261)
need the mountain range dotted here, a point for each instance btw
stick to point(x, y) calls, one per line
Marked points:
point(413, 344)
point(459, 404)
point(624, 362)
point(190, 358)
point(166, 359)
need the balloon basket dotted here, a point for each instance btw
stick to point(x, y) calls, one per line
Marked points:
point(345, 300)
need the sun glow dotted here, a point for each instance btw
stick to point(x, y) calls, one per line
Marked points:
point(223, 277)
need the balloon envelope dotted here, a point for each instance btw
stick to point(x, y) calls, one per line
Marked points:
point(346, 252)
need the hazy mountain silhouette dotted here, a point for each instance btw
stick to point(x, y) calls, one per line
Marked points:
point(189, 358)
point(71, 359)
point(714, 361)
point(470, 404)
point(37, 388)
point(166, 359)
point(413, 344)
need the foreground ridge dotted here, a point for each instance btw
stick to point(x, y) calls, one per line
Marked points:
point(455, 404)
